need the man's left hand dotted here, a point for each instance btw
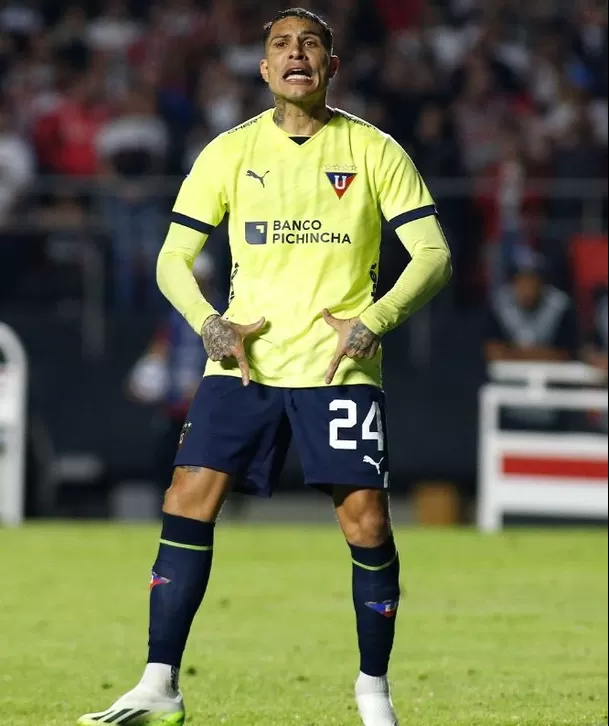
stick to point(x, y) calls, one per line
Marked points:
point(355, 340)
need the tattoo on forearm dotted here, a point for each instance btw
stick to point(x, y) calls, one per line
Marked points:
point(361, 342)
point(219, 339)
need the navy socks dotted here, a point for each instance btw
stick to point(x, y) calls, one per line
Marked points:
point(178, 584)
point(376, 596)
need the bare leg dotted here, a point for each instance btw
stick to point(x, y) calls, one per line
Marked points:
point(197, 493)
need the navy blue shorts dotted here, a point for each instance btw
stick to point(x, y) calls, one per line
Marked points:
point(339, 433)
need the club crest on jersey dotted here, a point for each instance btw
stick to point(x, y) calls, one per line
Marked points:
point(387, 608)
point(341, 181)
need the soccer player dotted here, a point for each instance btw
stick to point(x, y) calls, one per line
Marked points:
point(298, 351)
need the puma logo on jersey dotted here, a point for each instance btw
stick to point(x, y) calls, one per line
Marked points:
point(377, 465)
point(253, 175)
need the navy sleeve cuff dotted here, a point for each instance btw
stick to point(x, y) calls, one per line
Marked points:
point(195, 224)
point(420, 213)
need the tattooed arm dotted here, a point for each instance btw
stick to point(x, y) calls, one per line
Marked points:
point(361, 341)
point(223, 340)
point(355, 340)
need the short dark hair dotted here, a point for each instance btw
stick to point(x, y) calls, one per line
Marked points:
point(327, 36)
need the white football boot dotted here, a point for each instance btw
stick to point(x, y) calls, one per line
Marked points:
point(140, 707)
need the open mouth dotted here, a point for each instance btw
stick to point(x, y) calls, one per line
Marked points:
point(297, 74)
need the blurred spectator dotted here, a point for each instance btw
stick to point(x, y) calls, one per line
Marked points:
point(479, 113)
point(530, 320)
point(30, 83)
point(21, 18)
point(437, 155)
point(434, 145)
point(576, 156)
point(399, 16)
point(132, 148)
point(508, 59)
point(590, 45)
point(156, 40)
point(220, 98)
point(16, 166)
point(170, 370)
point(447, 41)
point(197, 140)
point(68, 39)
point(569, 106)
point(16, 172)
point(66, 136)
point(344, 95)
point(114, 31)
point(71, 27)
point(243, 57)
point(594, 351)
point(407, 84)
point(546, 66)
point(66, 244)
point(510, 208)
point(597, 344)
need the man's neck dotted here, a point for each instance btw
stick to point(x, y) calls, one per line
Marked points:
point(298, 121)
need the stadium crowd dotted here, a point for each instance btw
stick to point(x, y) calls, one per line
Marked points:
point(487, 95)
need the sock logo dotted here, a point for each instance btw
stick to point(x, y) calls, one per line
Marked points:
point(156, 580)
point(387, 608)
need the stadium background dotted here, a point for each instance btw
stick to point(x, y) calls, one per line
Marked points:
point(503, 106)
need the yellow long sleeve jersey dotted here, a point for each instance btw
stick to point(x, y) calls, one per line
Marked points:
point(305, 233)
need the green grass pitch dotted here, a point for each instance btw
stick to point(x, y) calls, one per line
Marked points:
point(506, 630)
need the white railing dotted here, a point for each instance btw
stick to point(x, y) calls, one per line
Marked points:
point(540, 474)
point(13, 413)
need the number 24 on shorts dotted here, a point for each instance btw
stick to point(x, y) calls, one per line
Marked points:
point(350, 420)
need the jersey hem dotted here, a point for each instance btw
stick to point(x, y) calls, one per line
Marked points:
point(351, 379)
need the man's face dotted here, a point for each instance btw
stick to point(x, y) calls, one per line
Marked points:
point(297, 67)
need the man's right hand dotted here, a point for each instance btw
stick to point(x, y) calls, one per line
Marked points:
point(224, 340)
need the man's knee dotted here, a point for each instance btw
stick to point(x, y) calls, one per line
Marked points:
point(370, 530)
point(196, 493)
point(364, 516)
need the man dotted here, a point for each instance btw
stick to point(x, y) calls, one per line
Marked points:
point(530, 320)
point(297, 351)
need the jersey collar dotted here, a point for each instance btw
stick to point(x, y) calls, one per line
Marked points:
point(288, 136)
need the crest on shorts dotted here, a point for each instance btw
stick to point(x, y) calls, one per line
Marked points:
point(185, 429)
